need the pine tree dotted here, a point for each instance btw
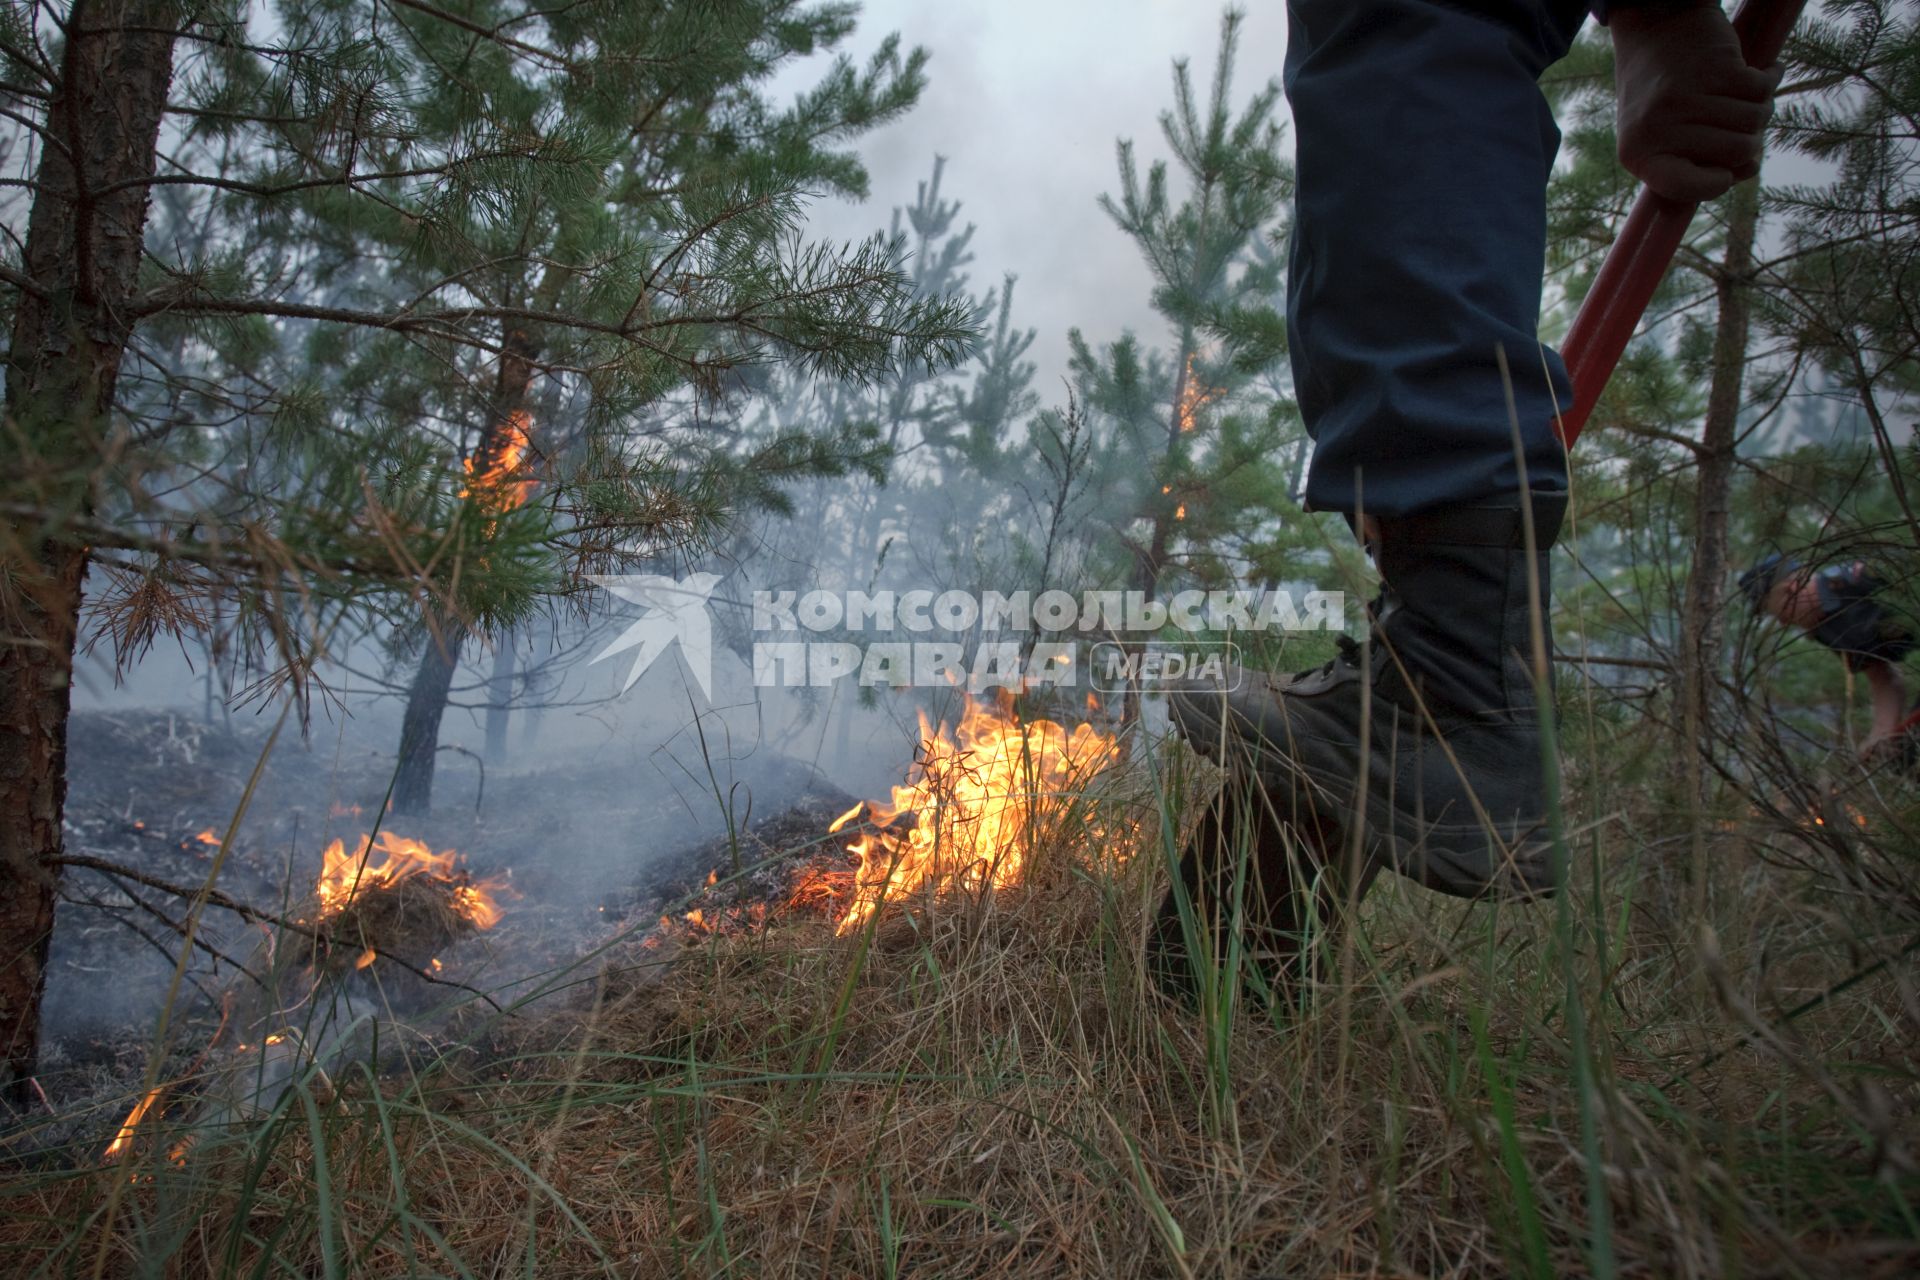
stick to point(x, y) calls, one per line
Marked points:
point(1199, 450)
point(1811, 269)
point(383, 225)
point(1839, 295)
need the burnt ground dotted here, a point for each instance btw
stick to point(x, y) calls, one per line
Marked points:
point(596, 847)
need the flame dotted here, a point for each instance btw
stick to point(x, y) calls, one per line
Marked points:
point(967, 816)
point(207, 837)
point(1193, 394)
point(124, 1139)
point(366, 958)
point(343, 875)
point(505, 483)
point(1180, 512)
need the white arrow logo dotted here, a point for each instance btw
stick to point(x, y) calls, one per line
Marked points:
point(676, 610)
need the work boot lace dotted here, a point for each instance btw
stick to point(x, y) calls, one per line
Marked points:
point(1349, 651)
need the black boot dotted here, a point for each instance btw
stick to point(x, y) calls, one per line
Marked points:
point(1249, 876)
point(1423, 742)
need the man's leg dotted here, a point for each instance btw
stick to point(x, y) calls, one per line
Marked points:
point(1424, 148)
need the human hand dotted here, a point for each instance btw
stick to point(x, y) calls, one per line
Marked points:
point(1692, 115)
point(1879, 747)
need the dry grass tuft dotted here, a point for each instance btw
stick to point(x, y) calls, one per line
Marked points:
point(413, 919)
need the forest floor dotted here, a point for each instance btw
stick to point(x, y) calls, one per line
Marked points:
point(989, 1084)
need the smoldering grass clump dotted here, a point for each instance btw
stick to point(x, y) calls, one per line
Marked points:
point(414, 920)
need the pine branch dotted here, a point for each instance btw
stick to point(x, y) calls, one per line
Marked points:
point(247, 912)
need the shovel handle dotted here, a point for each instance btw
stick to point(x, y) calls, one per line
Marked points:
point(1639, 259)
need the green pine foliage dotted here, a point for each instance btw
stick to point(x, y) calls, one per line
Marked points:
point(377, 229)
point(1197, 448)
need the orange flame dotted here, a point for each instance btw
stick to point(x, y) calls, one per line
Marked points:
point(344, 875)
point(505, 483)
point(207, 837)
point(124, 1139)
point(1193, 395)
point(968, 815)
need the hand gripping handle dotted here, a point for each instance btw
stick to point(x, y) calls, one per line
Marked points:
point(1639, 259)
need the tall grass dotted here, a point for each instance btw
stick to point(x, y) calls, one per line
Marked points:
point(995, 1087)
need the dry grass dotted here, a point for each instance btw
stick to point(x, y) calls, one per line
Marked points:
point(990, 1088)
point(415, 919)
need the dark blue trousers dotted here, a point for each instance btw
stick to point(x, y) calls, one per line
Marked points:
point(1423, 150)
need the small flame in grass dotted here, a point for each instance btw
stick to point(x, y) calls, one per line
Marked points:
point(968, 814)
point(505, 484)
point(366, 958)
point(124, 1139)
point(207, 837)
point(344, 875)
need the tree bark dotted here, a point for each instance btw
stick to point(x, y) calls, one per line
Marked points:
point(69, 333)
point(1700, 619)
point(446, 634)
point(426, 705)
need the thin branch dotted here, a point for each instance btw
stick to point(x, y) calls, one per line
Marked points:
point(247, 912)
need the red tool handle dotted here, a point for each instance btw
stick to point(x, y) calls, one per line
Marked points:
point(1639, 258)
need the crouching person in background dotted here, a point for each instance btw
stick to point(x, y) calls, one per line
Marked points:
point(1842, 608)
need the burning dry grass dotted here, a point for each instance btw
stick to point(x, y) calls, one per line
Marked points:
point(986, 1087)
point(394, 896)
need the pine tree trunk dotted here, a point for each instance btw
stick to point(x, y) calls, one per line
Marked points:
point(433, 682)
point(1700, 622)
point(531, 717)
point(68, 335)
point(1149, 560)
point(420, 727)
point(506, 661)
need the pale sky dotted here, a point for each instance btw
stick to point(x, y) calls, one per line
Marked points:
point(1026, 100)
